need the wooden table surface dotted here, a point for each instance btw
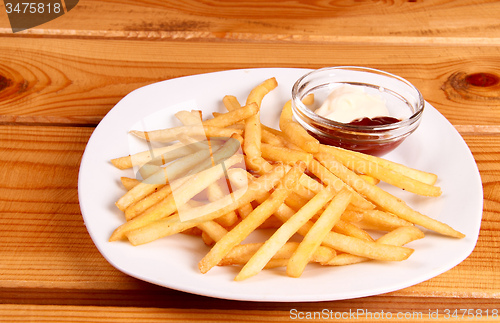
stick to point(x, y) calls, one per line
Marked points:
point(58, 80)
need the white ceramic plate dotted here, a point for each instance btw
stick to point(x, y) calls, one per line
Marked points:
point(172, 262)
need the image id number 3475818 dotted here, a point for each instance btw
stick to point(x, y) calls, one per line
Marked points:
point(33, 7)
point(26, 15)
point(471, 314)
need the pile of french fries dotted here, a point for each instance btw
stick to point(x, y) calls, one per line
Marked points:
point(228, 176)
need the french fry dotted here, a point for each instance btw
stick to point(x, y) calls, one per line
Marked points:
point(284, 155)
point(277, 133)
point(149, 201)
point(270, 138)
point(314, 237)
point(172, 134)
point(295, 201)
point(271, 223)
point(193, 143)
point(252, 143)
point(401, 236)
point(385, 199)
point(160, 178)
point(193, 232)
point(155, 156)
point(295, 133)
point(398, 237)
point(353, 214)
point(129, 183)
point(173, 224)
point(424, 177)
point(240, 254)
point(276, 263)
point(148, 170)
point(304, 192)
point(137, 193)
point(244, 210)
point(233, 116)
point(206, 238)
point(230, 148)
point(366, 248)
point(179, 196)
point(258, 164)
point(213, 229)
point(308, 99)
point(374, 169)
point(241, 197)
point(189, 118)
point(215, 192)
point(231, 102)
point(240, 178)
point(341, 242)
point(281, 236)
point(258, 93)
point(380, 220)
point(337, 184)
point(252, 221)
point(369, 179)
point(351, 230)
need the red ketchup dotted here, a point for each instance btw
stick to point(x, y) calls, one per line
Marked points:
point(375, 148)
point(377, 121)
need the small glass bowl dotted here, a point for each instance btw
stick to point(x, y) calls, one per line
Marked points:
point(403, 100)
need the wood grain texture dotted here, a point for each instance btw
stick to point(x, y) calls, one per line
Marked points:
point(26, 313)
point(59, 79)
point(54, 81)
point(156, 297)
point(397, 21)
point(45, 244)
point(44, 240)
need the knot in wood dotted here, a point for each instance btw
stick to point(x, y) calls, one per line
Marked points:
point(477, 86)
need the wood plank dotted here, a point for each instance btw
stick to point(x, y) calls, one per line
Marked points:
point(96, 314)
point(55, 81)
point(438, 21)
point(43, 237)
point(45, 244)
point(159, 297)
point(59, 79)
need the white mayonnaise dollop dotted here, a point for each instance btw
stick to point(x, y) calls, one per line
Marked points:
point(347, 103)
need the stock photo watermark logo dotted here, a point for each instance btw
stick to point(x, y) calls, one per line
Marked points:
point(202, 175)
point(28, 14)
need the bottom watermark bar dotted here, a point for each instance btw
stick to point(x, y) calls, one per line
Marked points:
point(327, 314)
point(430, 315)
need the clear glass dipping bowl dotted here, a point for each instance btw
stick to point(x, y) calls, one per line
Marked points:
point(404, 102)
